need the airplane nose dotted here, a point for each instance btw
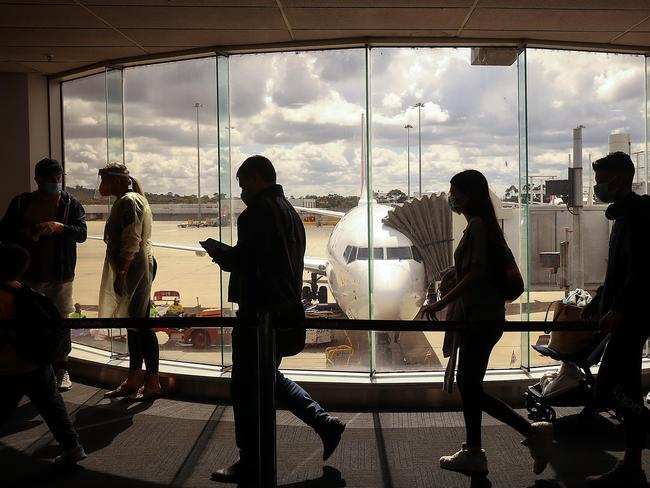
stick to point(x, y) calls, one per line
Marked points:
point(393, 295)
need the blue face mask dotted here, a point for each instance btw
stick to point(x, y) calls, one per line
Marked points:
point(51, 188)
point(453, 205)
point(604, 193)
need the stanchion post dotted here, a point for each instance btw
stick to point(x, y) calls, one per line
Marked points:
point(267, 462)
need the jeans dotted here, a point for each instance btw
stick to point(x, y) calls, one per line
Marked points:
point(40, 387)
point(618, 385)
point(243, 390)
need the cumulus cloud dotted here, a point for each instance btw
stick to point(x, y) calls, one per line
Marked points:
point(304, 112)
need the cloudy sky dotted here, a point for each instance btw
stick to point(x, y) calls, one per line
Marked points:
point(303, 111)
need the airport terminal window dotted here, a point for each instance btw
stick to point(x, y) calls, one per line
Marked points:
point(307, 112)
point(602, 96)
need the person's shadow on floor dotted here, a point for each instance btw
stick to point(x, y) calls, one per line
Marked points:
point(98, 426)
point(580, 449)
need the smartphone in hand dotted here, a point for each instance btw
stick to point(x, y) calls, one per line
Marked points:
point(214, 247)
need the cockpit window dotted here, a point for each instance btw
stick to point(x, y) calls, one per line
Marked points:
point(416, 254)
point(399, 253)
point(352, 253)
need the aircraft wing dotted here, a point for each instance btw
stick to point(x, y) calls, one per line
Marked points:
point(196, 249)
point(321, 211)
point(315, 265)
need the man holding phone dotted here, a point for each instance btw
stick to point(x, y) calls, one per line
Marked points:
point(266, 266)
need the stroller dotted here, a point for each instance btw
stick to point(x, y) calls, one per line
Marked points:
point(540, 405)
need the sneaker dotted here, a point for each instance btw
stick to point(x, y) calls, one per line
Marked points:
point(620, 476)
point(469, 461)
point(71, 456)
point(330, 433)
point(63, 382)
point(540, 444)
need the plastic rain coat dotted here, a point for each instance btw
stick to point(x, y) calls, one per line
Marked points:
point(127, 235)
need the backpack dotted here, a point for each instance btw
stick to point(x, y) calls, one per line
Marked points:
point(41, 339)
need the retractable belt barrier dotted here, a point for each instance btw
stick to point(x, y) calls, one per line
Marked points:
point(266, 360)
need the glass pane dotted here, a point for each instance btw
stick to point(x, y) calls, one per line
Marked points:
point(85, 149)
point(597, 107)
point(435, 113)
point(172, 147)
point(115, 115)
point(521, 198)
point(305, 111)
point(225, 191)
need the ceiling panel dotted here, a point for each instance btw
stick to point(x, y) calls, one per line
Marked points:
point(192, 17)
point(377, 3)
point(186, 38)
point(62, 37)
point(50, 68)
point(69, 16)
point(634, 39)
point(564, 4)
point(375, 18)
point(557, 20)
point(307, 34)
point(68, 54)
point(596, 37)
point(183, 3)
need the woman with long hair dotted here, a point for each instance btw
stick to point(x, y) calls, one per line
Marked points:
point(477, 298)
point(127, 276)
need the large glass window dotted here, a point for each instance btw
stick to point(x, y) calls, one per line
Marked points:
point(305, 112)
point(581, 106)
point(436, 112)
point(354, 134)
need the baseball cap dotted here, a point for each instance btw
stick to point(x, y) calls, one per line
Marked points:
point(47, 167)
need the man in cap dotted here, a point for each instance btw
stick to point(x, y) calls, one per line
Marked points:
point(49, 223)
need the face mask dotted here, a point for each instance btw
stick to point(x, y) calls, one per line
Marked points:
point(453, 205)
point(604, 193)
point(245, 197)
point(51, 188)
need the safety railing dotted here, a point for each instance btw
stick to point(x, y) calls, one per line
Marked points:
point(266, 361)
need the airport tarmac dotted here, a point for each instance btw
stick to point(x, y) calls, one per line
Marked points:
point(197, 279)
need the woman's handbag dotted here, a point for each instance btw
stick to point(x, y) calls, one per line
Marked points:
point(511, 283)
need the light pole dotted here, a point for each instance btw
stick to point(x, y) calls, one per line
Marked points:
point(408, 128)
point(197, 106)
point(419, 105)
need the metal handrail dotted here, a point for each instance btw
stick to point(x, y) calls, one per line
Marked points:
point(331, 324)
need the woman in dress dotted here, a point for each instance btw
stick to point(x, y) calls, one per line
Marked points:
point(126, 280)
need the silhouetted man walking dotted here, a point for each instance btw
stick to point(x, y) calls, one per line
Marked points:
point(267, 267)
point(621, 303)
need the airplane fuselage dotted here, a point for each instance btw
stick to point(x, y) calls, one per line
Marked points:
point(398, 286)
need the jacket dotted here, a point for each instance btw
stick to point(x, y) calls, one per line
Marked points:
point(626, 286)
point(70, 213)
point(267, 263)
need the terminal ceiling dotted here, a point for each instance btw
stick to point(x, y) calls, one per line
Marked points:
point(56, 36)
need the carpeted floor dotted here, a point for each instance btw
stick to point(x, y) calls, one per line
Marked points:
point(177, 443)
